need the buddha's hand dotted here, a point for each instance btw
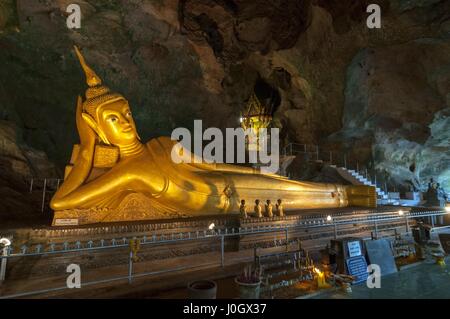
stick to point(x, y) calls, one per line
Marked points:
point(87, 134)
point(83, 162)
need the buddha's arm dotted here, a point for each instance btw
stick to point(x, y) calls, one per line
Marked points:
point(83, 162)
point(132, 175)
point(91, 194)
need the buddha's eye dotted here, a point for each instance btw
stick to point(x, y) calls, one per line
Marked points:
point(128, 113)
point(113, 119)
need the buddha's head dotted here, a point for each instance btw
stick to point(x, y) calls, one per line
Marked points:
point(107, 113)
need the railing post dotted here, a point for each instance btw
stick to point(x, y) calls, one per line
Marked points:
point(222, 251)
point(31, 185)
point(287, 238)
point(376, 229)
point(3, 264)
point(130, 268)
point(406, 224)
point(43, 194)
point(357, 167)
point(335, 230)
point(331, 157)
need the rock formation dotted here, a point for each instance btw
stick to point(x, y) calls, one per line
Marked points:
point(379, 95)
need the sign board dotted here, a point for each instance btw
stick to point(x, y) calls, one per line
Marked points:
point(379, 252)
point(354, 248)
point(357, 267)
point(66, 222)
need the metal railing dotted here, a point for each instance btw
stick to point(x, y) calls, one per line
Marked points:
point(44, 185)
point(312, 152)
point(213, 234)
point(163, 238)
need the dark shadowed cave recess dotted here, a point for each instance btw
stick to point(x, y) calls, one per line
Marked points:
point(267, 95)
point(381, 96)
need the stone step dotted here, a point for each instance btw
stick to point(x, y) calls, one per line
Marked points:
point(360, 178)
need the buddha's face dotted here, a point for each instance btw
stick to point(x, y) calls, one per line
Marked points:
point(116, 122)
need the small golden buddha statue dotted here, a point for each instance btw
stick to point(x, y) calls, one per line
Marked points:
point(113, 176)
point(279, 208)
point(269, 208)
point(243, 209)
point(258, 209)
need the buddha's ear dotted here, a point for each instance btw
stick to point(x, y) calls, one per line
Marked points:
point(93, 125)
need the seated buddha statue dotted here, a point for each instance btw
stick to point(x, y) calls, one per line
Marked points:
point(114, 176)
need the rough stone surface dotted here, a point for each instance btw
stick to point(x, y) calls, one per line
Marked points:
point(178, 61)
point(397, 98)
point(18, 164)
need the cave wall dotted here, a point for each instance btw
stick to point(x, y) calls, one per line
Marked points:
point(177, 61)
point(396, 104)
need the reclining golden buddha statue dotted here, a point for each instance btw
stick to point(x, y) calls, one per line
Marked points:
point(113, 177)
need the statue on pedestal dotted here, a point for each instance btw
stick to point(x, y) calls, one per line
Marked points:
point(433, 195)
point(279, 208)
point(269, 209)
point(243, 209)
point(113, 176)
point(258, 209)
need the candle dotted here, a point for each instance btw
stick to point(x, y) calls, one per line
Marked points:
point(321, 283)
point(321, 280)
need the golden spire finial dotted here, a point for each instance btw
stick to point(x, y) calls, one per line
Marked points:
point(92, 79)
point(97, 94)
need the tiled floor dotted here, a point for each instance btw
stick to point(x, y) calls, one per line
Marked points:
point(424, 281)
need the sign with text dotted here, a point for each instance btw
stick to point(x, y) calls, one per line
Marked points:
point(66, 222)
point(357, 267)
point(354, 248)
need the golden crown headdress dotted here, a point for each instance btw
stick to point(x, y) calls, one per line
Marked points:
point(97, 94)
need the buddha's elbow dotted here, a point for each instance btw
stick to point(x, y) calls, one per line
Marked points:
point(57, 204)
